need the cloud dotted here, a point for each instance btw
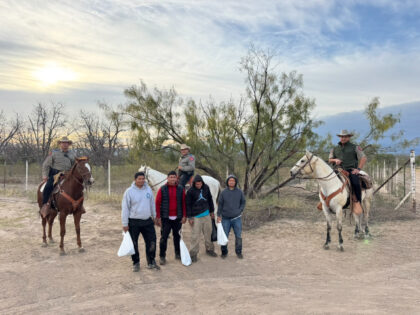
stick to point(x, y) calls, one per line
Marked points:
point(196, 46)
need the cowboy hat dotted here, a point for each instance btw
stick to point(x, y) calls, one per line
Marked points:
point(65, 139)
point(344, 132)
point(185, 147)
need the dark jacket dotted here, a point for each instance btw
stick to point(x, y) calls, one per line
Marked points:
point(164, 206)
point(198, 200)
point(231, 202)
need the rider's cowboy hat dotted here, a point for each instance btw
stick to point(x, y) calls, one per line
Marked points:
point(344, 132)
point(185, 147)
point(65, 139)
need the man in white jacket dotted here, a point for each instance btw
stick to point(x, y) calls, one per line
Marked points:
point(138, 215)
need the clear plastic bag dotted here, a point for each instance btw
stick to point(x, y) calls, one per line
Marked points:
point(127, 246)
point(221, 236)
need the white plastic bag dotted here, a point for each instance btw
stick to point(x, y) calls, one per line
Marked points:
point(127, 246)
point(185, 253)
point(221, 236)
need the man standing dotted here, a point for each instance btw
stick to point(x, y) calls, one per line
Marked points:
point(170, 214)
point(351, 158)
point(57, 161)
point(186, 165)
point(200, 208)
point(138, 213)
point(230, 208)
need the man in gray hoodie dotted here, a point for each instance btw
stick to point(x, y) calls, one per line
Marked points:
point(230, 207)
point(138, 215)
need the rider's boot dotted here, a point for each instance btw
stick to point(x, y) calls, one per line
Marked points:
point(319, 206)
point(45, 210)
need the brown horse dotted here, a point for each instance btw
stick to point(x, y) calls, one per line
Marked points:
point(68, 199)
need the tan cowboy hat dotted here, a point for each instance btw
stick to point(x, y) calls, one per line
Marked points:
point(184, 146)
point(345, 132)
point(65, 139)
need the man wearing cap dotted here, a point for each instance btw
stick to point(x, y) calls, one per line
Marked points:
point(186, 165)
point(57, 161)
point(351, 158)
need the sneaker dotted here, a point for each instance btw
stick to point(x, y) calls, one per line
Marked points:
point(211, 253)
point(223, 256)
point(153, 265)
point(162, 261)
point(136, 267)
point(194, 258)
point(240, 256)
point(178, 256)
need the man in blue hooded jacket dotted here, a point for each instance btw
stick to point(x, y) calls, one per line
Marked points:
point(230, 208)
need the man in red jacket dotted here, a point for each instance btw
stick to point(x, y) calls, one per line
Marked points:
point(170, 214)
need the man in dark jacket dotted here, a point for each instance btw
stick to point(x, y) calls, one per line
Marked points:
point(230, 208)
point(170, 214)
point(200, 209)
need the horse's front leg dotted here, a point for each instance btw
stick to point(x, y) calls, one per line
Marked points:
point(44, 235)
point(63, 217)
point(339, 213)
point(77, 216)
point(50, 225)
point(329, 222)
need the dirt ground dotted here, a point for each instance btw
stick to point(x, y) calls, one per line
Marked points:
point(285, 269)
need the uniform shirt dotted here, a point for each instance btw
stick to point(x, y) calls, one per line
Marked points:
point(59, 160)
point(187, 163)
point(348, 153)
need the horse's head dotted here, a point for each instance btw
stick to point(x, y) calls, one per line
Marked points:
point(84, 170)
point(305, 165)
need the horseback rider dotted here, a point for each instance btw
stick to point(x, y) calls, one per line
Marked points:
point(57, 161)
point(186, 165)
point(351, 158)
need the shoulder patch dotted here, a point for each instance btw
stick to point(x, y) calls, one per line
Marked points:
point(191, 158)
point(359, 148)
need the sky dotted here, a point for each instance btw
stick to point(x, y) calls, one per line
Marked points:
point(80, 52)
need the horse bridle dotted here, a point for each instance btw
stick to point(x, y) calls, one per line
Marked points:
point(300, 168)
point(82, 183)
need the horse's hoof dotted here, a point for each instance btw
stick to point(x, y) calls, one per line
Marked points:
point(81, 250)
point(51, 241)
point(340, 248)
point(44, 245)
point(367, 236)
point(326, 246)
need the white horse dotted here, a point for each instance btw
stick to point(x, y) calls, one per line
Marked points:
point(331, 185)
point(156, 179)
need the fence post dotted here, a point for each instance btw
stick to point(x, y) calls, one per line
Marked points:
point(413, 178)
point(4, 175)
point(26, 175)
point(109, 177)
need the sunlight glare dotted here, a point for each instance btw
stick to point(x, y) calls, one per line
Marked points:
point(52, 73)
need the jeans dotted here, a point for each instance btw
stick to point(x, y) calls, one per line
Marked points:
point(236, 224)
point(167, 226)
point(49, 186)
point(355, 183)
point(147, 229)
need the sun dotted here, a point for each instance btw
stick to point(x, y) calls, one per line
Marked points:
point(52, 73)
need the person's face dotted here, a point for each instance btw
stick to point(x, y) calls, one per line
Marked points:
point(231, 183)
point(184, 151)
point(344, 139)
point(171, 180)
point(198, 185)
point(64, 146)
point(140, 181)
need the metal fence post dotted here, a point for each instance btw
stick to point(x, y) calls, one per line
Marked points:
point(26, 175)
point(413, 178)
point(109, 177)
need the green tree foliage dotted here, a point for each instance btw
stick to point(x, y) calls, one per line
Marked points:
point(252, 138)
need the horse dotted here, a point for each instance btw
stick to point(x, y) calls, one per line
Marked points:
point(330, 184)
point(156, 179)
point(68, 199)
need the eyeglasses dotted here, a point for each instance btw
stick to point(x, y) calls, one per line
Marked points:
point(344, 136)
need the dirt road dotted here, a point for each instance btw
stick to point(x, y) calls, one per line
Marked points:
point(285, 269)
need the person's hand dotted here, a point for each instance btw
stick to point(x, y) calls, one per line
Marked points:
point(219, 219)
point(184, 219)
point(355, 171)
point(212, 215)
point(44, 178)
point(338, 161)
point(158, 222)
point(180, 167)
point(191, 221)
point(125, 229)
